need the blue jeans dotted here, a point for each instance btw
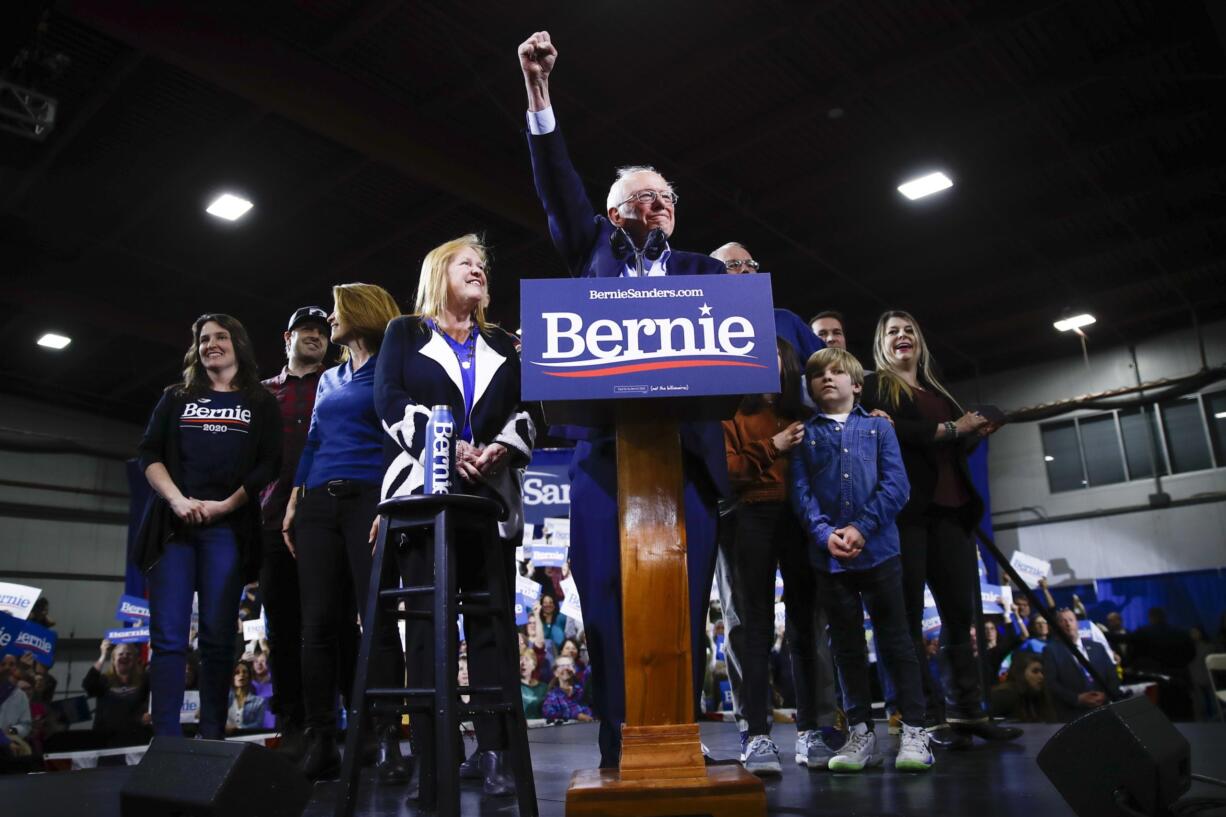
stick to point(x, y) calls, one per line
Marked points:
point(204, 561)
point(845, 597)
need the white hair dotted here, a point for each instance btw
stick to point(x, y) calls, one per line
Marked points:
point(715, 252)
point(617, 192)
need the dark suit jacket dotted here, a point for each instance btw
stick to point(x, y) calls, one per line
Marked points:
point(581, 235)
point(915, 436)
point(1065, 679)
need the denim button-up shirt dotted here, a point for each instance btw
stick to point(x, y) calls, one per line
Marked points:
point(849, 474)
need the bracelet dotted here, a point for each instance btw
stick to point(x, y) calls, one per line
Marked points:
point(951, 428)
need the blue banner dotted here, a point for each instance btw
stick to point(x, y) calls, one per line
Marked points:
point(931, 623)
point(547, 485)
point(132, 608)
point(597, 338)
point(522, 606)
point(19, 637)
point(547, 555)
point(133, 635)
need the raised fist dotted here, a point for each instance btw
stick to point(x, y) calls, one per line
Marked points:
point(537, 56)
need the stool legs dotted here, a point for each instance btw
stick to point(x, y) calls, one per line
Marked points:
point(446, 660)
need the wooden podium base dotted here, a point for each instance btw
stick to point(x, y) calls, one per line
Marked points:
point(720, 791)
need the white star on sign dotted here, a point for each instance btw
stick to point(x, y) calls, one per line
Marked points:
point(704, 310)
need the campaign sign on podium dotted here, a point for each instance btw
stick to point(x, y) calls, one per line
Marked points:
point(643, 357)
point(619, 338)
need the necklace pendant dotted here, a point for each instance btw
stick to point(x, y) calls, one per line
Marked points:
point(467, 364)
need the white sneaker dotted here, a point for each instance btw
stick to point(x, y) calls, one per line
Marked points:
point(761, 757)
point(858, 753)
point(811, 749)
point(913, 752)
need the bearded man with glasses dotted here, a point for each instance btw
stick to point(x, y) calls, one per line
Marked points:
point(629, 239)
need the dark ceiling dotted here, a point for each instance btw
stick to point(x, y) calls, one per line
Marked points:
point(1086, 139)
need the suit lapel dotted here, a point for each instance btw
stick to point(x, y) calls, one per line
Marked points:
point(487, 362)
point(437, 350)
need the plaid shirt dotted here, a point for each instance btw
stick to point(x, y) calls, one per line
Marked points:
point(296, 397)
point(558, 705)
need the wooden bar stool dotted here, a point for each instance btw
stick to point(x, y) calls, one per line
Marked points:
point(437, 708)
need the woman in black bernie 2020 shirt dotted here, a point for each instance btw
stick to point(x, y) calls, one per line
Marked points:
point(212, 443)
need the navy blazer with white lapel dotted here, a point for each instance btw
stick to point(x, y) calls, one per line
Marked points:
point(581, 235)
point(417, 370)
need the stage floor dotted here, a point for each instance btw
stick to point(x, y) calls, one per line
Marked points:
point(999, 780)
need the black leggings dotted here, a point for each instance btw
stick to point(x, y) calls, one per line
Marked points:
point(332, 540)
point(767, 534)
point(416, 565)
point(937, 549)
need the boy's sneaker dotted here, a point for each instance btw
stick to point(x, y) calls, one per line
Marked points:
point(812, 750)
point(761, 756)
point(913, 752)
point(858, 752)
point(895, 727)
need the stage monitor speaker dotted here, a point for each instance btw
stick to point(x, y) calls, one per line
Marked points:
point(208, 778)
point(1127, 748)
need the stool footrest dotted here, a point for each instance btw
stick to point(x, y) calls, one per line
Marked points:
point(416, 692)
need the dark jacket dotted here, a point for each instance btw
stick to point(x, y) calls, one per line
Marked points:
point(257, 465)
point(1065, 679)
point(919, 453)
point(581, 235)
point(417, 370)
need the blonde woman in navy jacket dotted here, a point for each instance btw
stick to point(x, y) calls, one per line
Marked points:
point(447, 353)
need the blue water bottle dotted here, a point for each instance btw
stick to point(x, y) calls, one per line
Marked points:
point(439, 453)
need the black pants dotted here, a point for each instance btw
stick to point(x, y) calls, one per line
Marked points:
point(282, 608)
point(845, 596)
point(768, 534)
point(332, 538)
point(936, 549)
point(416, 567)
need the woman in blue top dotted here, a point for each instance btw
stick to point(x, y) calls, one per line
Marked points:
point(212, 444)
point(447, 353)
point(328, 526)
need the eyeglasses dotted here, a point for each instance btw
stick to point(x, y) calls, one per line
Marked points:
point(735, 266)
point(649, 197)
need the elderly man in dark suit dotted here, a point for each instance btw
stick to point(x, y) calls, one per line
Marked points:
point(627, 238)
point(1072, 691)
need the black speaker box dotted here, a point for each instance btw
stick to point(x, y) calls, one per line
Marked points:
point(179, 777)
point(1127, 746)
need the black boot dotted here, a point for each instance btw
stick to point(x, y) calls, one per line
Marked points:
point(497, 780)
point(322, 759)
point(471, 769)
point(393, 767)
point(985, 729)
point(292, 744)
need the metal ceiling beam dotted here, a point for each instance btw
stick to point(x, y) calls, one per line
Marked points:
point(104, 91)
point(281, 79)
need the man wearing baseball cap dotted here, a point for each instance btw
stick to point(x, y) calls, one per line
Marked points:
point(306, 348)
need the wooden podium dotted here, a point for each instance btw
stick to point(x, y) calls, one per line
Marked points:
point(662, 769)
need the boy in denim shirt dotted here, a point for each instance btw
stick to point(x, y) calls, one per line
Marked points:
point(847, 483)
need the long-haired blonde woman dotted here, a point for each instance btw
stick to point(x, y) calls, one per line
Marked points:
point(448, 353)
point(328, 525)
point(935, 527)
